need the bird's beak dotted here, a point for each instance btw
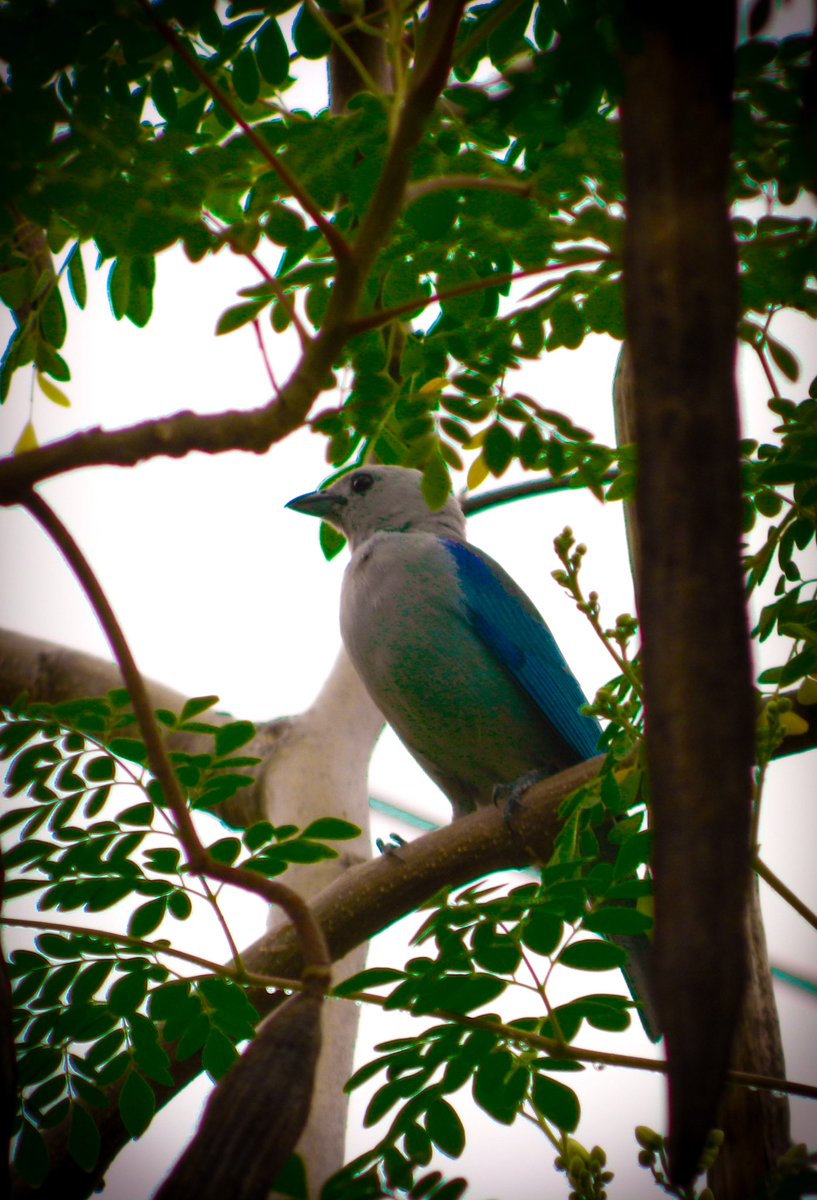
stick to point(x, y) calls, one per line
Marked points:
point(317, 504)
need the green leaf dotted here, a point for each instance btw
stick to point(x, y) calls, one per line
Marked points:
point(542, 931)
point(225, 850)
point(171, 1000)
point(331, 541)
point(137, 1104)
point(230, 737)
point(310, 39)
point(445, 1128)
point(239, 315)
point(432, 216)
point(331, 829)
point(180, 905)
point(89, 981)
point(283, 225)
point(163, 95)
point(291, 1181)
point(218, 1054)
point(147, 917)
point(138, 814)
point(197, 705)
point(436, 482)
point(370, 978)
point(100, 769)
point(462, 993)
point(83, 1139)
point(498, 1088)
point(119, 287)
point(104, 1050)
point(166, 860)
point(153, 1061)
point(555, 1102)
point(615, 921)
point(592, 956)
point(55, 945)
point(498, 448)
point(31, 1155)
point(127, 993)
point(784, 359)
point(53, 322)
point(272, 53)
point(51, 363)
point(246, 80)
point(76, 277)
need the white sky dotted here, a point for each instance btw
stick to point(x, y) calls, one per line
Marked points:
point(220, 589)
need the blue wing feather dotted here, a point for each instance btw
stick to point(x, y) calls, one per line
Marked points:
point(510, 625)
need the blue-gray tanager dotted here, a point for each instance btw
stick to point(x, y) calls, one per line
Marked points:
point(450, 649)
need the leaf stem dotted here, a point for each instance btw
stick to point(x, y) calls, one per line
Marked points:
point(154, 948)
point(555, 1049)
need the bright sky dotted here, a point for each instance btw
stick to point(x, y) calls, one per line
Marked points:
point(220, 589)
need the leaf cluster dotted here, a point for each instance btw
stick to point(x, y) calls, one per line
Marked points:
point(781, 489)
point(483, 942)
point(92, 1009)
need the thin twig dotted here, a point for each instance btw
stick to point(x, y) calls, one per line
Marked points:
point(382, 316)
point(785, 893)
point(334, 238)
point(281, 293)
point(486, 183)
point(760, 348)
point(267, 364)
point(556, 1049)
point(309, 933)
point(146, 946)
point(519, 491)
point(212, 900)
point(767, 370)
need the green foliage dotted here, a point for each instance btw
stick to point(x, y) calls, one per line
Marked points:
point(484, 941)
point(508, 246)
point(89, 1004)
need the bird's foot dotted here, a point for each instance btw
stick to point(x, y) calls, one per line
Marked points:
point(510, 796)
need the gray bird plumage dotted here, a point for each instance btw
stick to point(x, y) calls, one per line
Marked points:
point(450, 649)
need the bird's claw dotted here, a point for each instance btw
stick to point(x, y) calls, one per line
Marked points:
point(510, 796)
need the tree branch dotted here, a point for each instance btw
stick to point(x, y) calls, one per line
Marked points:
point(200, 861)
point(177, 435)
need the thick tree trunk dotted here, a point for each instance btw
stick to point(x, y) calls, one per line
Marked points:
point(755, 1123)
point(682, 307)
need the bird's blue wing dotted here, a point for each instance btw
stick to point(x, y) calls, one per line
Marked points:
point(509, 624)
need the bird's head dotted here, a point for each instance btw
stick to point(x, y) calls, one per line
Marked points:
point(381, 500)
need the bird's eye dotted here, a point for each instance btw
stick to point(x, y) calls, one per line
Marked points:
point(361, 483)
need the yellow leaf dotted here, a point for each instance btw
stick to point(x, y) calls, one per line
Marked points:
point(54, 394)
point(27, 440)
point(477, 473)
point(792, 724)
point(476, 441)
point(433, 387)
point(807, 691)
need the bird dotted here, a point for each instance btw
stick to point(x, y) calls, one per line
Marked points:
point(449, 647)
